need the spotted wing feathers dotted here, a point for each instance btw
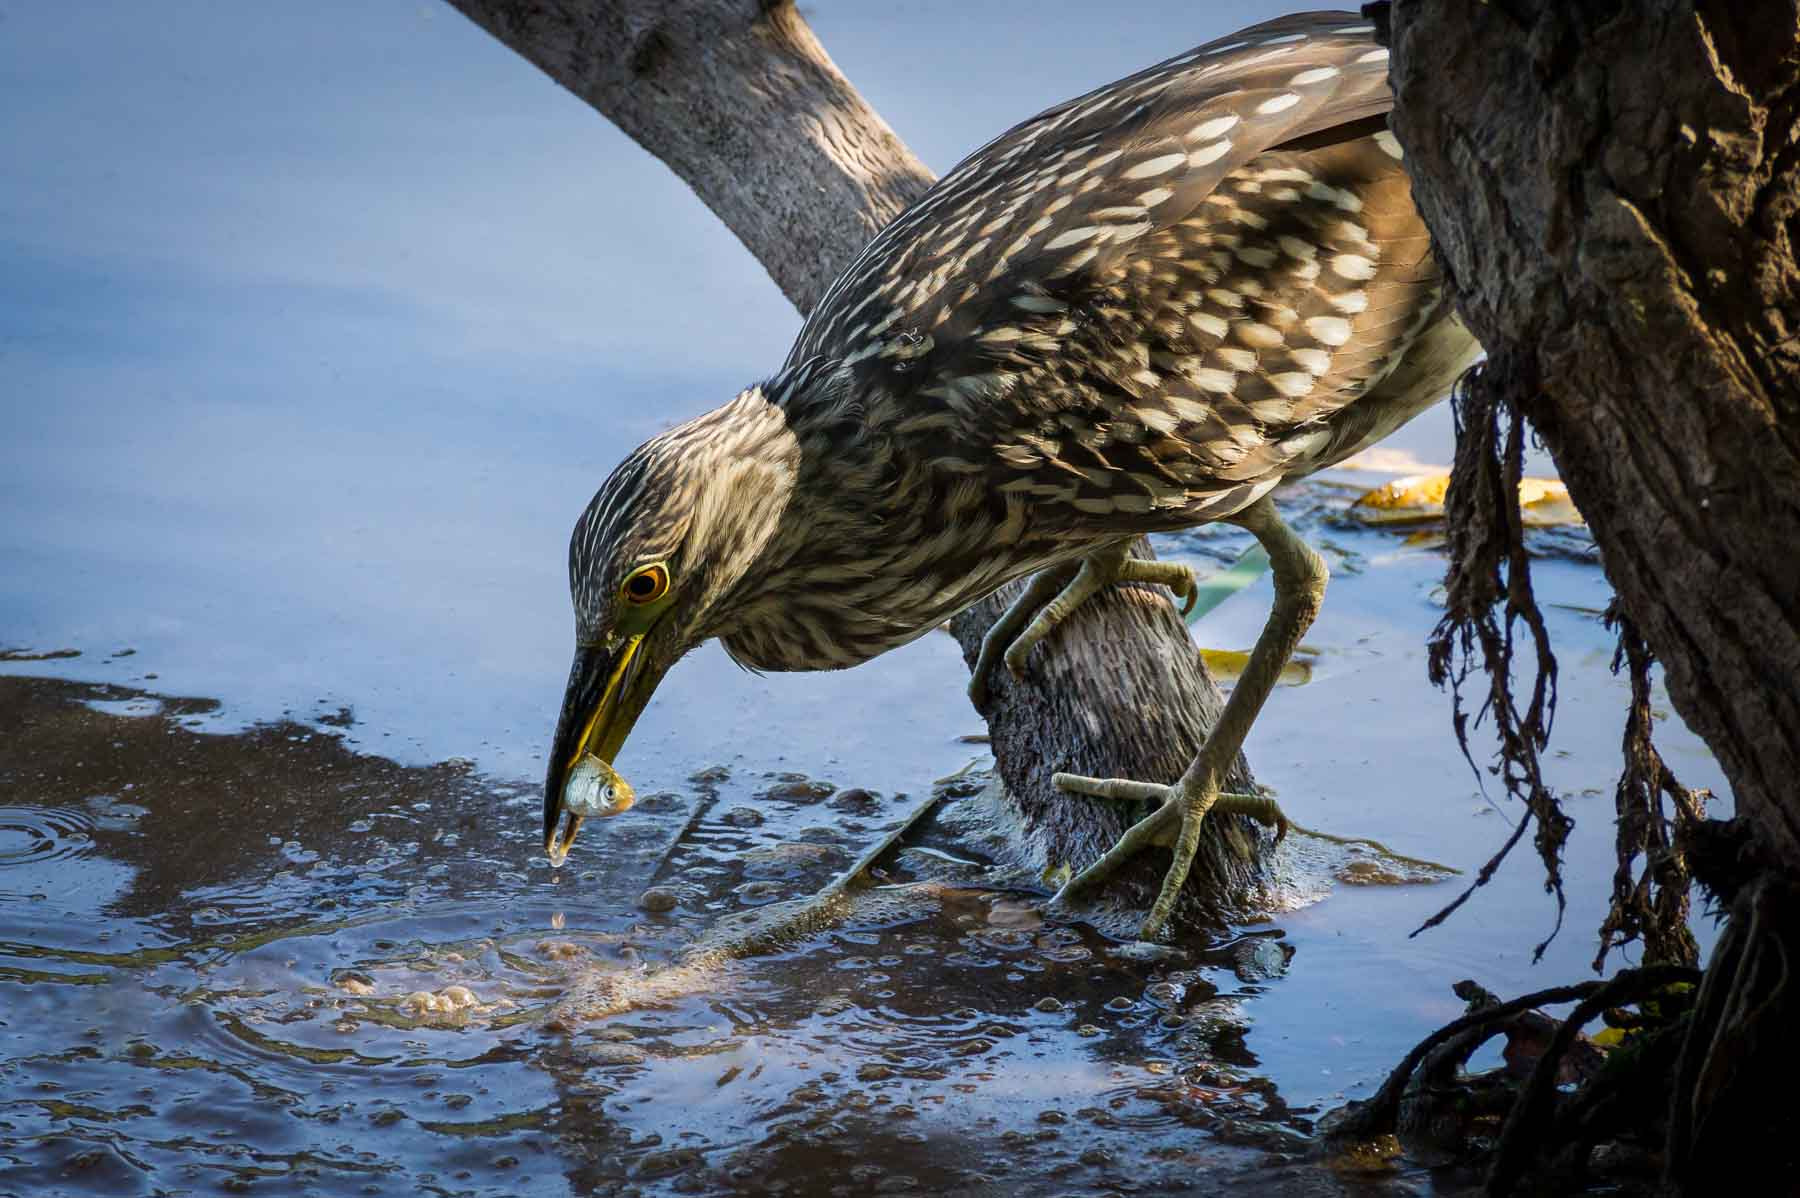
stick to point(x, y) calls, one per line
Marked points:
point(1138, 305)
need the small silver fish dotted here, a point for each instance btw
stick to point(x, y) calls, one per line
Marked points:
point(596, 790)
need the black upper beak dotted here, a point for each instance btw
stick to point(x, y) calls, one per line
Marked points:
point(588, 677)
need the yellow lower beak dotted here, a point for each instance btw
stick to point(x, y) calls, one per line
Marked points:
point(608, 689)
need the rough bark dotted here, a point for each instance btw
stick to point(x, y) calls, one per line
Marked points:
point(739, 98)
point(1612, 189)
point(1111, 701)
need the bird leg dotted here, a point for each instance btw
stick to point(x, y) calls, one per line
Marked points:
point(1300, 576)
point(1053, 596)
point(1043, 587)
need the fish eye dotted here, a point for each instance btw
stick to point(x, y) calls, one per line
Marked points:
point(646, 585)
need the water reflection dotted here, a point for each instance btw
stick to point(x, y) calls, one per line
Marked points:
point(348, 996)
point(266, 960)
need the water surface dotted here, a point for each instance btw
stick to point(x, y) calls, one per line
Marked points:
point(322, 324)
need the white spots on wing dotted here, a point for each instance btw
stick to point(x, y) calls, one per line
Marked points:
point(1071, 236)
point(1329, 330)
point(1316, 361)
point(1279, 315)
point(1207, 323)
point(1124, 233)
point(1258, 256)
point(1154, 196)
point(1162, 164)
point(1222, 382)
point(1316, 75)
point(1292, 383)
point(1208, 153)
point(1207, 130)
point(1075, 262)
point(1155, 419)
point(1266, 56)
point(1235, 359)
point(1304, 444)
point(1349, 201)
point(1390, 145)
point(1256, 334)
point(1227, 48)
point(1038, 226)
point(1285, 174)
point(1350, 302)
point(1377, 55)
point(1003, 335)
point(1355, 29)
point(1225, 297)
point(1038, 303)
point(1275, 104)
point(1294, 247)
point(1353, 266)
point(1286, 37)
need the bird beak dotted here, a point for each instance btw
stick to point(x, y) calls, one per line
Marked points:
point(609, 685)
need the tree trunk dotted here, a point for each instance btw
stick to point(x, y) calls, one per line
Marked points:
point(1612, 191)
point(740, 100)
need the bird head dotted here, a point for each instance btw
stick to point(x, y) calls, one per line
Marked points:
point(656, 566)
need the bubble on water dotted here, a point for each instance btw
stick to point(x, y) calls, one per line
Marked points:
point(559, 950)
point(658, 899)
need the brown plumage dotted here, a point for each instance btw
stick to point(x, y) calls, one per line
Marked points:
point(1137, 311)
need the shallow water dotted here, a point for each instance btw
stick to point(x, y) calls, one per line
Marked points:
point(262, 959)
point(323, 322)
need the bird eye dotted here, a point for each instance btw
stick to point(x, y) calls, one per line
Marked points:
point(646, 585)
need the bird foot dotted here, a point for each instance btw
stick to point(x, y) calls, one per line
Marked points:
point(1053, 596)
point(1175, 822)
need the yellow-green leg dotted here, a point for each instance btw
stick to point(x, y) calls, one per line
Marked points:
point(1054, 594)
point(1300, 577)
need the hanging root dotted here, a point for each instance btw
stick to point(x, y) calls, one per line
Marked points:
point(1651, 906)
point(1488, 566)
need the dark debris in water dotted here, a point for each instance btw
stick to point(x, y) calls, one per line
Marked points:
point(279, 965)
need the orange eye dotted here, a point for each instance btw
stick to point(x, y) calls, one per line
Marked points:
point(647, 585)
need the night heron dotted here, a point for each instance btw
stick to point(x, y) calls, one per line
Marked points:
point(1136, 312)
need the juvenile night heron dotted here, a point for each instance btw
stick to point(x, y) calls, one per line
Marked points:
point(1136, 312)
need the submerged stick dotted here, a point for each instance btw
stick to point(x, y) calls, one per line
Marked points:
point(748, 934)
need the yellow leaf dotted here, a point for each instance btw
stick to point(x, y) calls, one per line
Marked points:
point(1227, 665)
point(1418, 498)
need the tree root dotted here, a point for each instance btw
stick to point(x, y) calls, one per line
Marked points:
point(1536, 1127)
